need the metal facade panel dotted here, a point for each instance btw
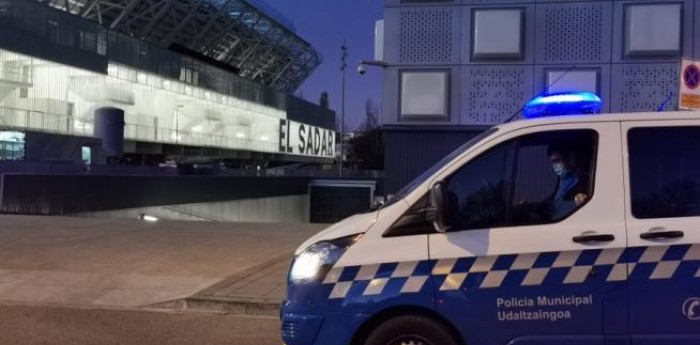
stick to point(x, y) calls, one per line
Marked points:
point(429, 35)
point(392, 34)
point(491, 94)
point(644, 87)
point(565, 34)
point(573, 32)
point(390, 95)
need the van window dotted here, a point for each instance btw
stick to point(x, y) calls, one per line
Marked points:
point(664, 165)
point(439, 165)
point(516, 183)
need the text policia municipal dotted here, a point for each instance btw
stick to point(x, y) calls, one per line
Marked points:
point(540, 308)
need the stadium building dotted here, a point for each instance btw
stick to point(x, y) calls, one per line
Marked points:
point(183, 79)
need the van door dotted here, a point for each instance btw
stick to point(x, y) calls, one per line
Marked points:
point(663, 217)
point(524, 263)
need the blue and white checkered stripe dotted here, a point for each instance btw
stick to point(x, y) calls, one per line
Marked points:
point(532, 269)
point(377, 276)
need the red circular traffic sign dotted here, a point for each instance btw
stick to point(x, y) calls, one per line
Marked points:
point(691, 77)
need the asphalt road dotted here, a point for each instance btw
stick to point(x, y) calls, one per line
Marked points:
point(34, 325)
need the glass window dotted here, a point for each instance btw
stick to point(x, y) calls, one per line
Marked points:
point(573, 81)
point(536, 179)
point(653, 29)
point(477, 192)
point(12, 145)
point(439, 165)
point(497, 33)
point(424, 94)
point(664, 164)
point(86, 154)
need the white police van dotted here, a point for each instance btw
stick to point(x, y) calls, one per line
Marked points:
point(491, 246)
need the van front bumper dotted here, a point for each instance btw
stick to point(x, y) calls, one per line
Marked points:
point(300, 329)
point(327, 329)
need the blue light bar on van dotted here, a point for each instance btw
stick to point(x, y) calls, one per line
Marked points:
point(563, 104)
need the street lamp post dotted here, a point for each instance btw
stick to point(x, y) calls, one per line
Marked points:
point(343, 67)
point(178, 111)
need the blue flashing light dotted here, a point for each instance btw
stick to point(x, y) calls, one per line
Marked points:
point(575, 103)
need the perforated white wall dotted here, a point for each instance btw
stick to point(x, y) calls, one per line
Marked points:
point(558, 35)
point(493, 93)
point(644, 87)
point(426, 35)
point(572, 32)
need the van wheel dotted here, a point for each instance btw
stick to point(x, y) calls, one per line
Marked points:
point(411, 330)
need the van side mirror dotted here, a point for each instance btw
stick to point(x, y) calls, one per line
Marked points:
point(437, 210)
point(377, 204)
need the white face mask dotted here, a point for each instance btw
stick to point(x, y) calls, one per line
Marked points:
point(559, 169)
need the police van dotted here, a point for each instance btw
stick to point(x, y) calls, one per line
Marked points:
point(567, 230)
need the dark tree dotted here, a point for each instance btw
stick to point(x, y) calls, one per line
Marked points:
point(323, 102)
point(366, 148)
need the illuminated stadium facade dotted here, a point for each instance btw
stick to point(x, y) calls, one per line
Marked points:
point(252, 39)
point(198, 80)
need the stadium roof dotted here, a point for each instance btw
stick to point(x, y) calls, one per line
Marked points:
point(274, 13)
point(249, 36)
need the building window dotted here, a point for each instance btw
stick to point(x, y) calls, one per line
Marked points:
point(425, 94)
point(12, 145)
point(86, 154)
point(87, 41)
point(497, 33)
point(189, 76)
point(664, 165)
point(579, 80)
point(653, 29)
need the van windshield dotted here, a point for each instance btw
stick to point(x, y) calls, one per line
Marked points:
point(425, 175)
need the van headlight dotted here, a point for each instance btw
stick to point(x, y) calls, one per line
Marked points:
point(314, 262)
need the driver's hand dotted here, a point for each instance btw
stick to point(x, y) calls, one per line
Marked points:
point(580, 199)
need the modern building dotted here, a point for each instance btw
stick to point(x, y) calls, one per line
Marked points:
point(197, 80)
point(455, 67)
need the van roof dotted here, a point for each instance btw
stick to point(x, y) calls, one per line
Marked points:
point(616, 117)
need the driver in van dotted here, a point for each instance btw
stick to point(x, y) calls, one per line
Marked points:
point(573, 185)
point(571, 191)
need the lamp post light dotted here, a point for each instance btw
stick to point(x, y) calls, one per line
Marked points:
point(344, 65)
point(362, 67)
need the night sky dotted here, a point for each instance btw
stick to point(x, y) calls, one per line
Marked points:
point(325, 24)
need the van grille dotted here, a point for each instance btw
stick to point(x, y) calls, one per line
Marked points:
point(290, 329)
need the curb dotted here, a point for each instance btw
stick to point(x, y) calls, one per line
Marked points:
point(223, 305)
point(208, 300)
